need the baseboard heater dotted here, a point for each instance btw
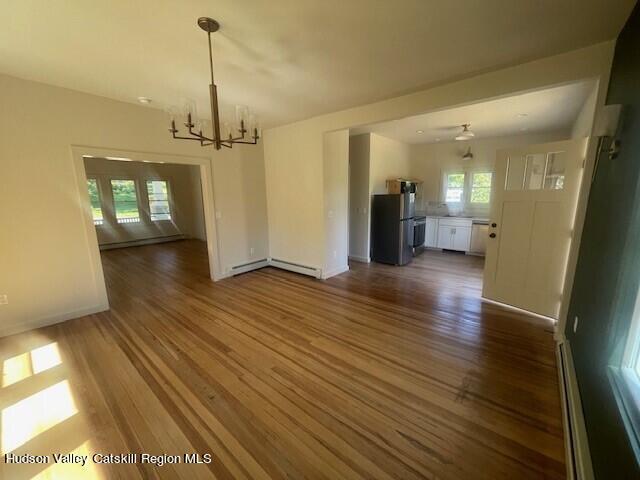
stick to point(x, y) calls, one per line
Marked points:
point(142, 241)
point(247, 267)
point(579, 465)
point(296, 267)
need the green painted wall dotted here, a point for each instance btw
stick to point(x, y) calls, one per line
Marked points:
point(608, 271)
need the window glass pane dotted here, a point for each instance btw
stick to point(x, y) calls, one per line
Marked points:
point(535, 170)
point(515, 173)
point(125, 201)
point(455, 187)
point(481, 187)
point(158, 200)
point(94, 198)
point(554, 179)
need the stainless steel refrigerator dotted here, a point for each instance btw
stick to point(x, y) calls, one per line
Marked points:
point(392, 228)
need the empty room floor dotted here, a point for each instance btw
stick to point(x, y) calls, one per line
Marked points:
point(381, 372)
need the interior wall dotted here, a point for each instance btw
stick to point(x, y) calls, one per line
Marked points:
point(430, 161)
point(50, 277)
point(583, 124)
point(241, 210)
point(187, 215)
point(388, 159)
point(336, 202)
point(359, 197)
point(294, 152)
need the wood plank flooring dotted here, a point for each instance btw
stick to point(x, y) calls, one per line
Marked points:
point(382, 372)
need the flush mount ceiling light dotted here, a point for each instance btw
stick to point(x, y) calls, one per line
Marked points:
point(197, 129)
point(466, 134)
point(419, 132)
point(146, 100)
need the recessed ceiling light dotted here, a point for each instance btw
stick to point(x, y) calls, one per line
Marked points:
point(420, 132)
point(145, 100)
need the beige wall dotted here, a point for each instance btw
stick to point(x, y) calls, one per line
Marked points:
point(336, 202)
point(389, 159)
point(294, 153)
point(359, 197)
point(187, 215)
point(429, 162)
point(51, 277)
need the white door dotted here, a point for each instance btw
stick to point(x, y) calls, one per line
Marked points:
point(532, 213)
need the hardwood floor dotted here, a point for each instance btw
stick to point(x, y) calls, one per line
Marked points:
point(381, 372)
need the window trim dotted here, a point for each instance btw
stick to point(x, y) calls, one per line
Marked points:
point(113, 199)
point(100, 199)
point(169, 198)
point(490, 187)
point(467, 187)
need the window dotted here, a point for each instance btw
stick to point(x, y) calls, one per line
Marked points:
point(94, 198)
point(481, 187)
point(158, 200)
point(454, 188)
point(125, 201)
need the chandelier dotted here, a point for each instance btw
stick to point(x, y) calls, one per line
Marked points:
point(246, 129)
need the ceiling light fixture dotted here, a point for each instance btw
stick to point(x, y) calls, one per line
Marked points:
point(220, 137)
point(466, 134)
point(145, 100)
point(419, 132)
point(468, 155)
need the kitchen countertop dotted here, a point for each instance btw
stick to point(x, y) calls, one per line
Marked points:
point(477, 220)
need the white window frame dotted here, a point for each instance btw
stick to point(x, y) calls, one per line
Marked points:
point(479, 172)
point(169, 198)
point(100, 199)
point(445, 186)
point(113, 199)
point(467, 186)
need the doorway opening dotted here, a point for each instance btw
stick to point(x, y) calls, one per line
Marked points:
point(489, 187)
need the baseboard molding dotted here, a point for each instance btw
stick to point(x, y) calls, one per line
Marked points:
point(295, 267)
point(357, 258)
point(334, 272)
point(579, 466)
point(5, 331)
point(249, 266)
point(142, 241)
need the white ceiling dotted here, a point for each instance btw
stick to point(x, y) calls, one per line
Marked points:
point(288, 59)
point(549, 110)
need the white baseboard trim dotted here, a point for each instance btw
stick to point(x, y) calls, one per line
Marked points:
point(578, 459)
point(334, 272)
point(295, 267)
point(247, 267)
point(5, 331)
point(357, 258)
point(142, 241)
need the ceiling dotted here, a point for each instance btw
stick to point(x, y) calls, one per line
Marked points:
point(287, 59)
point(543, 111)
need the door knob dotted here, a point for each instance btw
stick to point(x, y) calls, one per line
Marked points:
point(492, 235)
point(494, 225)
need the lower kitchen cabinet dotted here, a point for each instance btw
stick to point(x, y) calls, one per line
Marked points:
point(454, 234)
point(431, 232)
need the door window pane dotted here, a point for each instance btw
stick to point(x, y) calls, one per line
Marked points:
point(481, 187)
point(535, 171)
point(158, 200)
point(454, 188)
point(125, 201)
point(516, 167)
point(94, 198)
point(554, 178)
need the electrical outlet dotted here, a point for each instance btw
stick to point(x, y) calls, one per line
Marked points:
point(575, 324)
point(335, 254)
point(4, 299)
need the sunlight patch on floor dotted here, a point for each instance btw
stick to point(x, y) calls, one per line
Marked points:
point(33, 415)
point(22, 366)
point(71, 471)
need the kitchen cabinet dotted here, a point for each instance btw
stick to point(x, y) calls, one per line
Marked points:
point(454, 234)
point(431, 232)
